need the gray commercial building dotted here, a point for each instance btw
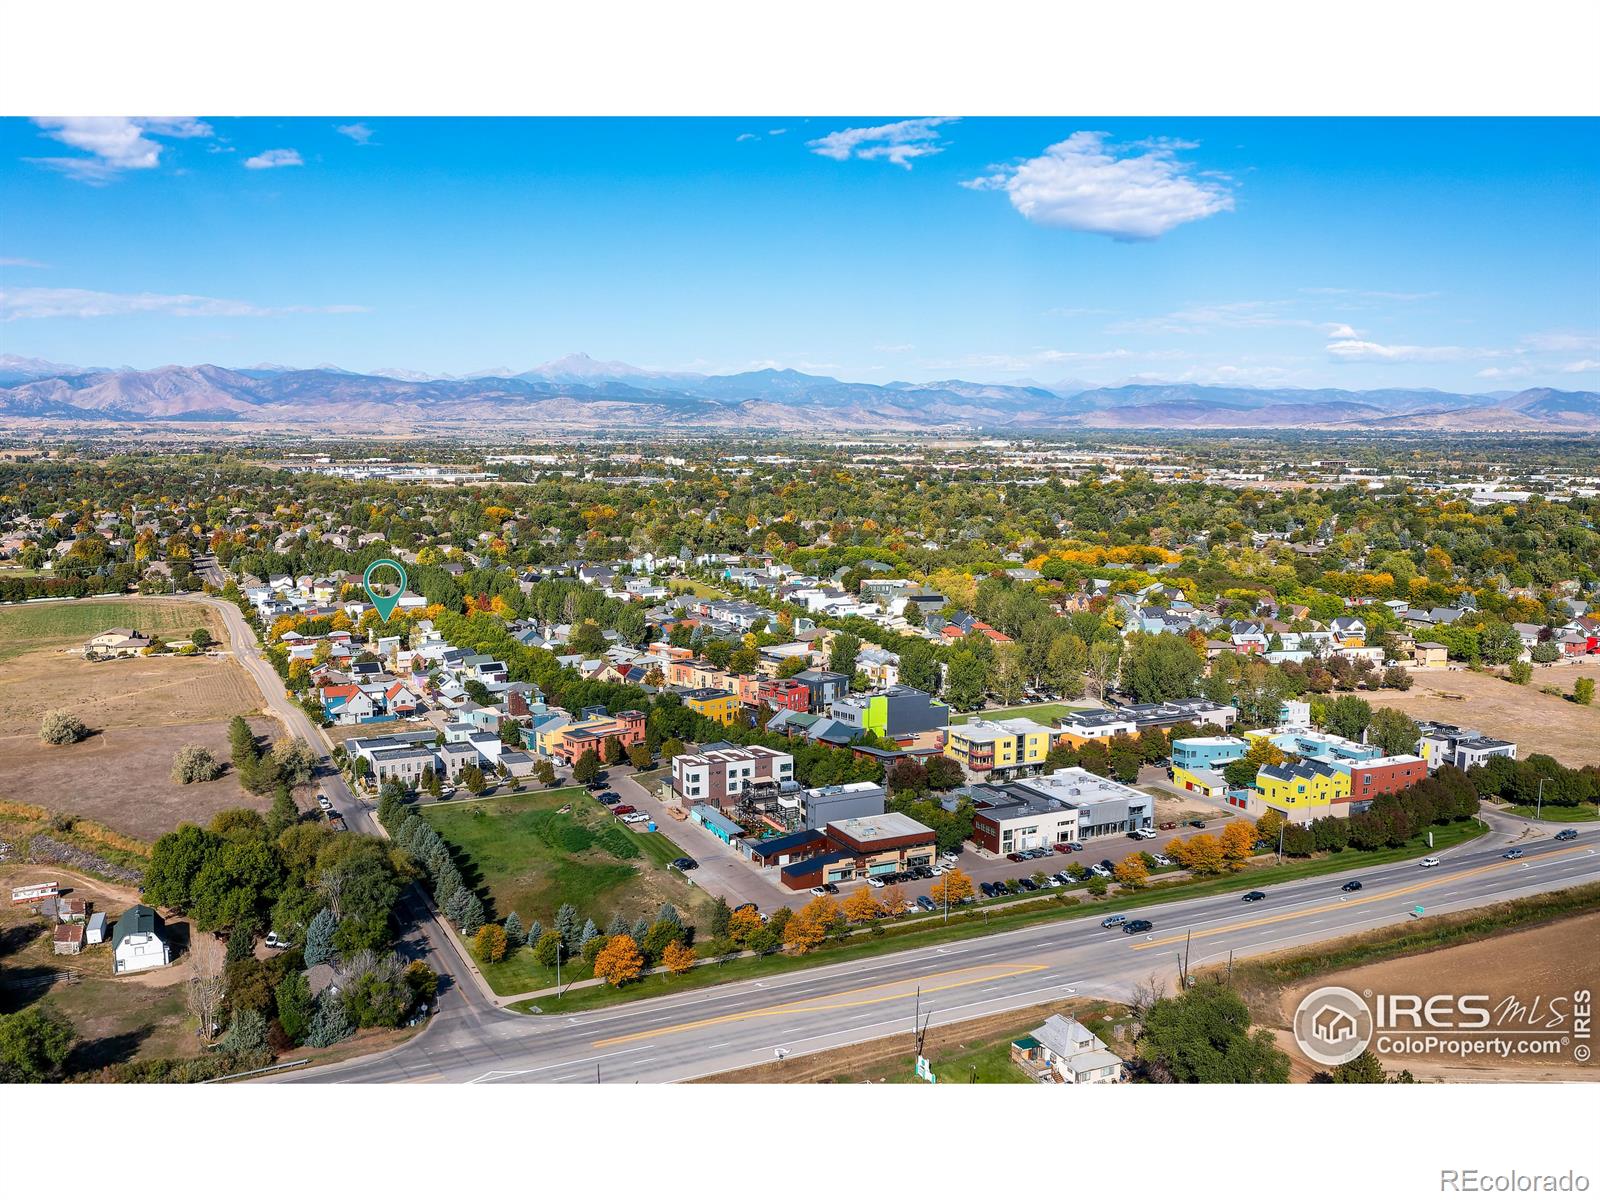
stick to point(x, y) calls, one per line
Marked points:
point(840, 802)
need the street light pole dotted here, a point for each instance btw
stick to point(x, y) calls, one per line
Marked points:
point(1538, 808)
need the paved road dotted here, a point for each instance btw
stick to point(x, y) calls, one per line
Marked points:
point(740, 1024)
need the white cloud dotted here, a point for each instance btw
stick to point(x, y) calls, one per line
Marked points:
point(1585, 364)
point(748, 137)
point(18, 304)
point(358, 133)
point(23, 262)
point(268, 159)
point(1562, 342)
point(1083, 184)
point(115, 144)
point(776, 132)
point(899, 142)
point(1355, 350)
point(1236, 314)
point(901, 348)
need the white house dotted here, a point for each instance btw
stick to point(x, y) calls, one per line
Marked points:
point(136, 943)
point(1063, 1051)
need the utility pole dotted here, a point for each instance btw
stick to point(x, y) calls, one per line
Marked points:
point(1281, 827)
point(559, 988)
point(1539, 804)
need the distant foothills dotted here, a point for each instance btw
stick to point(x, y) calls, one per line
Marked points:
point(579, 394)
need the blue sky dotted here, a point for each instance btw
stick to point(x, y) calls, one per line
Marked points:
point(1459, 254)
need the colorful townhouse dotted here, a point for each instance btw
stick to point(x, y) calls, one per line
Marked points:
point(781, 694)
point(1197, 762)
point(1303, 791)
point(566, 738)
point(1012, 745)
point(716, 704)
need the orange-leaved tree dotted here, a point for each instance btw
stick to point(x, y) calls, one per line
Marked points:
point(1132, 872)
point(619, 961)
point(677, 958)
point(1238, 839)
point(893, 900)
point(954, 886)
point(862, 905)
point(808, 927)
point(1201, 853)
point(742, 923)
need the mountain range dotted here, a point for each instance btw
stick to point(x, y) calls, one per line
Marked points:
point(577, 393)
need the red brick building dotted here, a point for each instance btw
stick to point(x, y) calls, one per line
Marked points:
point(1382, 776)
point(785, 693)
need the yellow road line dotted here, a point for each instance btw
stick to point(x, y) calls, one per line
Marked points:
point(832, 1001)
point(433, 1078)
point(1433, 881)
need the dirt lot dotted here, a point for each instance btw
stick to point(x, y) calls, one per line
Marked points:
point(116, 1019)
point(1539, 724)
point(1525, 964)
point(140, 712)
point(122, 777)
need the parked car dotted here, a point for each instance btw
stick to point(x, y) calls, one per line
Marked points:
point(1061, 878)
point(1430, 861)
point(987, 889)
point(1566, 835)
point(1145, 834)
point(277, 942)
point(1064, 847)
point(1027, 885)
point(1197, 823)
point(950, 855)
point(1111, 921)
point(873, 882)
point(831, 888)
point(1015, 856)
point(623, 810)
point(636, 818)
point(819, 890)
point(925, 904)
point(685, 863)
point(1161, 860)
point(1097, 869)
point(1137, 927)
point(1252, 897)
point(1075, 847)
point(1108, 864)
point(1001, 888)
point(324, 803)
point(1512, 853)
point(940, 869)
point(1167, 825)
point(1353, 885)
point(608, 797)
point(922, 872)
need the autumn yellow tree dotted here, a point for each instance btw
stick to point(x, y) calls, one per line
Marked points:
point(619, 961)
point(893, 900)
point(490, 943)
point(1201, 853)
point(951, 888)
point(808, 927)
point(742, 923)
point(677, 958)
point(1237, 840)
point(1269, 823)
point(862, 905)
point(1132, 872)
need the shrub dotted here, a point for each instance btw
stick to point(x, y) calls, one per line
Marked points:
point(615, 841)
point(61, 728)
point(194, 764)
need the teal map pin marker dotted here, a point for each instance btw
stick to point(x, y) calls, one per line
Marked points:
point(384, 604)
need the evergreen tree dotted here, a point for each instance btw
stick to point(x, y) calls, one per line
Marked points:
point(720, 915)
point(472, 915)
point(455, 905)
point(567, 926)
point(590, 930)
point(513, 928)
point(446, 883)
point(619, 925)
point(535, 932)
point(668, 913)
point(641, 928)
point(330, 1023)
point(319, 938)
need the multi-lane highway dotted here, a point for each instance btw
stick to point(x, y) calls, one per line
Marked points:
point(699, 1032)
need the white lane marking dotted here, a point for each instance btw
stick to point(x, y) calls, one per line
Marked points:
point(489, 1076)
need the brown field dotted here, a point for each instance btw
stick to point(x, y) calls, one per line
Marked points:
point(140, 711)
point(115, 1019)
point(1525, 963)
point(122, 777)
point(1539, 724)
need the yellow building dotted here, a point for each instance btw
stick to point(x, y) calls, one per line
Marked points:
point(984, 746)
point(1294, 787)
point(716, 704)
point(1199, 781)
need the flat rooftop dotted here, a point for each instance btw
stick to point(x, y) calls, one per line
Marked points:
point(875, 829)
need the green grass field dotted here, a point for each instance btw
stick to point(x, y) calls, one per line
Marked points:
point(525, 856)
point(28, 627)
point(1043, 713)
point(698, 587)
point(1557, 812)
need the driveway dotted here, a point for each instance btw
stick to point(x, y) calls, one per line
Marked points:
point(723, 871)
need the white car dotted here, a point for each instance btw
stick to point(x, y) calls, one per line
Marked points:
point(874, 883)
point(1430, 861)
point(635, 818)
point(819, 890)
point(324, 803)
point(1097, 869)
point(1161, 860)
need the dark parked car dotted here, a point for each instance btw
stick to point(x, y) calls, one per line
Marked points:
point(608, 797)
point(1075, 846)
point(1566, 835)
point(926, 904)
point(1167, 825)
point(1197, 823)
point(1512, 854)
point(685, 863)
point(1353, 885)
point(831, 888)
point(1001, 889)
point(1015, 856)
point(1252, 897)
point(922, 872)
point(1027, 885)
point(1110, 921)
point(986, 888)
point(622, 810)
point(1137, 927)
point(1108, 864)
